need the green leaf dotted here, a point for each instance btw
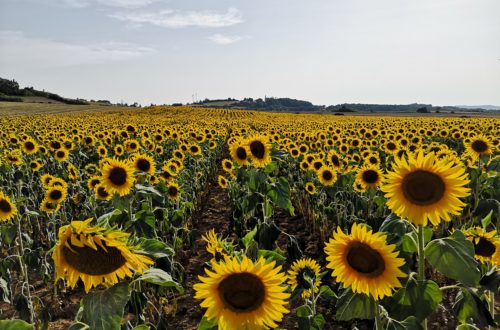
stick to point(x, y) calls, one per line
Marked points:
point(249, 237)
point(395, 227)
point(454, 257)
point(159, 277)
point(326, 293)
point(424, 294)
point(491, 280)
point(279, 193)
point(354, 306)
point(15, 325)
point(410, 240)
point(271, 255)
point(467, 327)
point(103, 310)
point(206, 324)
point(141, 327)
point(79, 326)
point(470, 307)
point(155, 248)
point(487, 219)
point(410, 323)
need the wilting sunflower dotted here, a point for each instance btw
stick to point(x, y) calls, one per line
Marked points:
point(243, 294)
point(260, 150)
point(486, 245)
point(96, 255)
point(222, 182)
point(369, 176)
point(239, 152)
point(144, 163)
point(364, 261)
point(303, 275)
point(214, 246)
point(7, 209)
point(173, 191)
point(118, 176)
point(479, 145)
point(56, 194)
point(423, 188)
point(326, 175)
point(310, 188)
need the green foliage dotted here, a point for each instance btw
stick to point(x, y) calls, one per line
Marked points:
point(354, 306)
point(15, 325)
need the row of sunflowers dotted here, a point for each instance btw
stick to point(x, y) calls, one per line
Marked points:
point(405, 209)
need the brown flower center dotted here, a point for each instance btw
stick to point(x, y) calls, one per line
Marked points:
point(88, 261)
point(118, 176)
point(143, 165)
point(484, 248)
point(258, 149)
point(327, 175)
point(5, 206)
point(243, 292)
point(173, 191)
point(423, 188)
point(29, 145)
point(479, 146)
point(370, 176)
point(55, 195)
point(366, 260)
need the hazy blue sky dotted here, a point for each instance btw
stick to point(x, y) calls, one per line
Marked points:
point(326, 51)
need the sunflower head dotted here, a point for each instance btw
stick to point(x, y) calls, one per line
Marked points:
point(144, 163)
point(118, 176)
point(424, 188)
point(479, 145)
point(241, 294)
point(369, 176)
point(486, 245)
point(173, 191)
point(222, 182)
point(310, 188)
point(96, 255)
point(364, 261)
point(326, 175)
point(260, 150)
point(56, 194)
point(304, 275)
point(101, 193)
point(7, 209)
point(214, 246)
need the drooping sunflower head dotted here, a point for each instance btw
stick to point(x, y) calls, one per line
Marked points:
point(96, 255)
point(214, 246)
point(7, 209)
point(486, 245)
point(479, 145)
point(223, 183)
point(310, 188)
point(118, 176)
point(144, 163)
point(370, 176)
point(424, 188)
point(260, 150)
point(326, 175)
point(242, 294)
point(304, 275)
point(364, 261)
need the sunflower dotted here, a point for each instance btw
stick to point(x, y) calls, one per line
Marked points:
point(96, 255)
point(423, 188)
point(173, 191)
point(56, 194)
point(222, 182)
point(310, 188)
point(326, 175)
point(102, 151)
point(93, 181)
point(214, 246)
point(61, 154)
point(101, 193)
point(144, 163)
point(49, 207)
point(486, 245)
point(260, 150)
point(118, 176)
point(7, 208)
point(30, 147)
point(364, 261)
point(305, 276)
point(36, 165)
point(243, 294)
point(479, 145)
point(239, 152)
point(194, 150)
point(369, 176)
point(119, 150)
point(227, 165)
point(58, 182)
point(46, 179)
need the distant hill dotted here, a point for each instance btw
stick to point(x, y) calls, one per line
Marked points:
point(485, 107)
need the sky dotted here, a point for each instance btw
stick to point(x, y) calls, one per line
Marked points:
point(441, 52)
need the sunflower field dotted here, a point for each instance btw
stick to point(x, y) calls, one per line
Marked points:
point(192, 218)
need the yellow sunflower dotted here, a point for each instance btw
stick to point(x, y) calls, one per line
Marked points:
point(310, 188)
point(364, 261)
point(227, 165)
point(479, 145)
point(144, 163)
point(118, 176)
point(326, 175)
point(101, 193)
point(49, 207)
point(7, 209)
point(260, 150)
point(56, 194)
point(486, 245)
point(369, 176)
point(61, 154)
point(222, 182)
point(305, 275)
point(214, 246)
point(173, 191)
point(424, 188)
point(239, 152)
point(243, 294)
point(96, 255)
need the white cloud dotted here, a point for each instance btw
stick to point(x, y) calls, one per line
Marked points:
point(180, 19)
point(221, 39)
point(19, 50)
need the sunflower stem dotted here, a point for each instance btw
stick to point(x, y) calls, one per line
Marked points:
point(378, 319)
point(492, 305)
point(22, 267)
point(421, 261)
